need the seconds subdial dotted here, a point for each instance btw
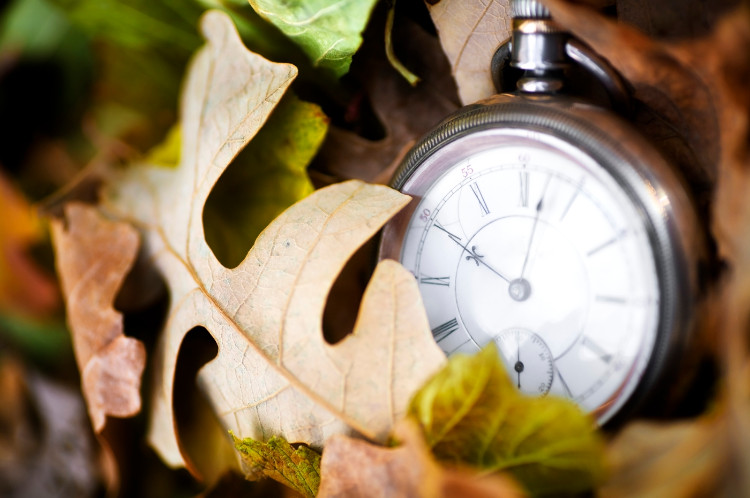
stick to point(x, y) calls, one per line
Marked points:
point(528, 360)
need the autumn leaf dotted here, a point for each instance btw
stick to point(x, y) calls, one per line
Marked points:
point(676, 459)
point(472, 414)
point(24, 288)
point(673, 18)
point(353, 468)
point(470, 33)
point(328, 31)
point(298, 468)
point(274, 373)
point(93, 257)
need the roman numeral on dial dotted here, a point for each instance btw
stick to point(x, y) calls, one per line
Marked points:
point(524, 184)
point(480, 198)
point(441, 281)
point(597, 350)
point(442, 331)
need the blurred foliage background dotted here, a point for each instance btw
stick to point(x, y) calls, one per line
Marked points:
point(85, 83)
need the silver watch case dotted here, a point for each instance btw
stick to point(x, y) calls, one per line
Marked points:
point(649, 181)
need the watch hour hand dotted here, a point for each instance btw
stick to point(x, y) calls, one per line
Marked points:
point(473, 254)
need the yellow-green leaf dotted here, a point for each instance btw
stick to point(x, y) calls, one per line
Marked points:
point(167, 153)
point(267, 177)
point(471, 413)
point(298, 468)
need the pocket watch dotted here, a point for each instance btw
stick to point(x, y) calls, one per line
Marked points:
point(546, 224)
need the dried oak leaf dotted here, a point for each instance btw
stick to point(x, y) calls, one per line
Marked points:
point(470, 33)
point(269, 175)
point(353, 468)
point(274, 373)
point(93, 256)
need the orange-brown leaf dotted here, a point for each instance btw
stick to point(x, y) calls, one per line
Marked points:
point(678, 459)
point(93, 257)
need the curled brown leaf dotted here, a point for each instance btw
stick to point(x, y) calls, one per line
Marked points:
point(358, 469)
point(93, 257)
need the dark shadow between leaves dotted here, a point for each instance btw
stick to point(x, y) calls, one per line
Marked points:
point(204, 443)
point(345, 296)
point(143, 301)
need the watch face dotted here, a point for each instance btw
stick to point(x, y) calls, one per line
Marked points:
point(522, 239)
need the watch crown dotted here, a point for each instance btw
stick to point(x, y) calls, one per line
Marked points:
point(528, 9)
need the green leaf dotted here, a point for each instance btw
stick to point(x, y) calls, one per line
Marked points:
point(329, 31)
point(471, 413)
point(298, 468)
point(266, 178)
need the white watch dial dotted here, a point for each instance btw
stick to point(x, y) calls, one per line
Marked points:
point(525, 240)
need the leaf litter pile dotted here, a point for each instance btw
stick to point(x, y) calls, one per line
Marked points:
point(188, 302)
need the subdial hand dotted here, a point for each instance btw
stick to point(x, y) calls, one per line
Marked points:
point(519, 365)
point(473, 255)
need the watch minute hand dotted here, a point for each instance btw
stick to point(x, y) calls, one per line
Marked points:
point(539, 206)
